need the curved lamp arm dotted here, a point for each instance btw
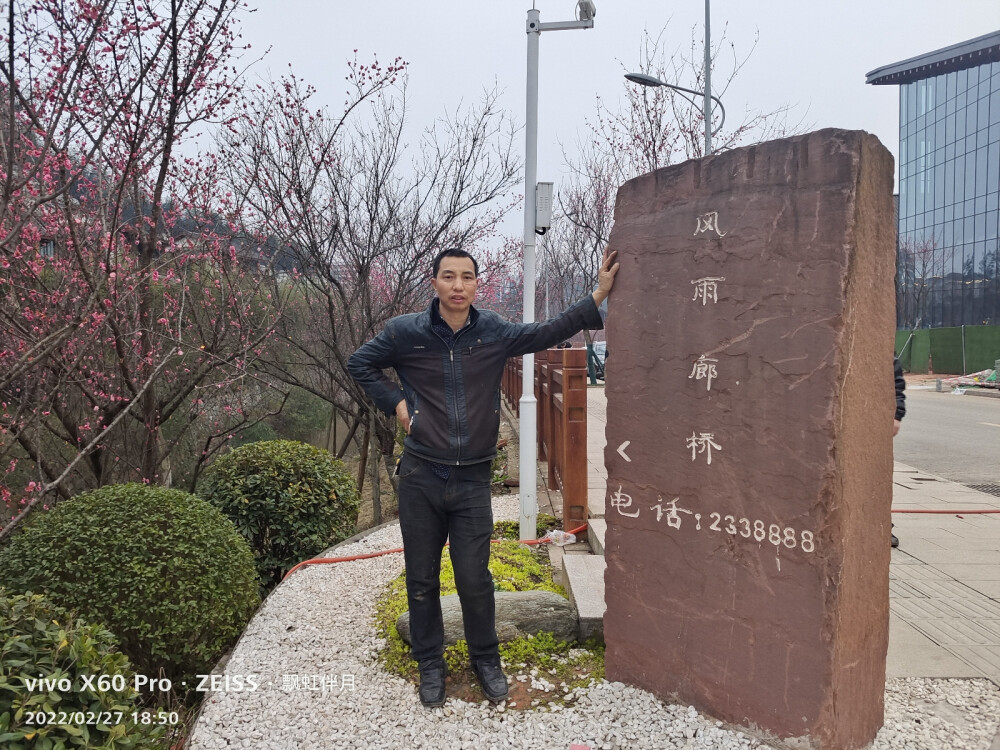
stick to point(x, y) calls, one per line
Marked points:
point(646, 80)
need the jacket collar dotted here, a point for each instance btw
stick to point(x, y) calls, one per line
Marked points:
point(435, 314)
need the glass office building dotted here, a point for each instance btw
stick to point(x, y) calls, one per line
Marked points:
point(949, 184)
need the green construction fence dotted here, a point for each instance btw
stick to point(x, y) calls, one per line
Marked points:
point(949, 351)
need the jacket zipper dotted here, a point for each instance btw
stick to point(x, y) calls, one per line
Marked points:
point(458, 425)
point(451, 356)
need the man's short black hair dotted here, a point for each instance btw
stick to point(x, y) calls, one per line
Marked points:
point(452, 252)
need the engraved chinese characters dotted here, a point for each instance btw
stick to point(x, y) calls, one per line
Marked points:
point(623, 503)
point(748, 447)
point(704, 367)
point(707, 289)
point(704, 442)
point(709, 223)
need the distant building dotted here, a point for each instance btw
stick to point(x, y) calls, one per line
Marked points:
point(949, 184)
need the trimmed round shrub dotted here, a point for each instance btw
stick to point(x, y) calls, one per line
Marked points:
point(289, 500)
point(50, 665)
point(162, 569)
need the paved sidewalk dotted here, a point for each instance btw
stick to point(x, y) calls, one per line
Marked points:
point(944, 579)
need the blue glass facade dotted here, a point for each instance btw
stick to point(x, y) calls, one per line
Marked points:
point(949, 199)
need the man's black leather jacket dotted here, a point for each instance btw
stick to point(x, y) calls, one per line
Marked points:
point(453, 394)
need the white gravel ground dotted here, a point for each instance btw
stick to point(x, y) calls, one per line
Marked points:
point(312, 651)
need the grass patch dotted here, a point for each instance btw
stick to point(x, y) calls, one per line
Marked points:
point(542, 670)
point(511, 530)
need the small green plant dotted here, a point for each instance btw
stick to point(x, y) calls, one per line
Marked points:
point(63, 682)
point(511, 530)
point(499, 468)
point(289, 500)
point(162, 569)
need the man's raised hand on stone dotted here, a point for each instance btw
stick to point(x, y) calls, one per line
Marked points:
point(606, 276)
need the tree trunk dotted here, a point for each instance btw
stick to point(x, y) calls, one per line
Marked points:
point(149, 463)
point(331, 432)
point(390, 470)
point(364, 458)
point(349, 438)
point(376, 484)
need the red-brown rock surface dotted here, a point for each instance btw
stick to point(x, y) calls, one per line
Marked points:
point(751, 333)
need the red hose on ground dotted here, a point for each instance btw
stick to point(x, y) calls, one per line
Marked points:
point(350, 558)
point(949, 512)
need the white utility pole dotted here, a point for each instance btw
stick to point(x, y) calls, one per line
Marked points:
point(528, 404)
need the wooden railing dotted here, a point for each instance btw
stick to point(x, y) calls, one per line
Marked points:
point(561, 392)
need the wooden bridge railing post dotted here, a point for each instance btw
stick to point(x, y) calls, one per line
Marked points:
point(560, 385)
point(543, 397)
point(553, 422)
point(574, 448)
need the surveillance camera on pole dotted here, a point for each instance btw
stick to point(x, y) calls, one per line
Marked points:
point(543, 207)
point(585, 10)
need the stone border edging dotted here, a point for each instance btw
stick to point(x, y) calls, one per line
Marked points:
point(356, 538)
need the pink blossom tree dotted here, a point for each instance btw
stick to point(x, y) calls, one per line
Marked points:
point(129, 315)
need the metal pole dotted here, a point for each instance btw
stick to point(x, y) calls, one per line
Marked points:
point(528, 404)
point(965, 369)
point(547, 271)
point(708, 80)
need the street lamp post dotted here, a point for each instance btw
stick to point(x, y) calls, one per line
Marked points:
point(708, 81)
point(647, 80)
point(528, 404)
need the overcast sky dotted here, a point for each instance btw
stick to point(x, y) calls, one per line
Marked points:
point(811, 54)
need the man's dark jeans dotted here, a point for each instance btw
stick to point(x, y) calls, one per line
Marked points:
point(458, 510)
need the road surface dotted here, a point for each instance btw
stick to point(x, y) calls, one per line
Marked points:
point(955, 437)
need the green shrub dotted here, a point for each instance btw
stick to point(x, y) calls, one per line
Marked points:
point(289, 500)
point(38, 642)
point(162, 569)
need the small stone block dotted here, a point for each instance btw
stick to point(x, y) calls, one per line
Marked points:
point(518, 614)
point(598, 528)
point(583, 577)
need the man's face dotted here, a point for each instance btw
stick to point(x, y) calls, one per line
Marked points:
point(456, 284)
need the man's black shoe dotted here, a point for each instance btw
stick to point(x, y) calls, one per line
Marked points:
point(492, 679)
point(432, 676)
point(894, 542)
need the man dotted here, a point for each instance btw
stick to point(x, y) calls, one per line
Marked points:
point(449, 360)
point(900, 413)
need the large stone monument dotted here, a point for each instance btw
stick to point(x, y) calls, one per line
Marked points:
point(749, 439)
